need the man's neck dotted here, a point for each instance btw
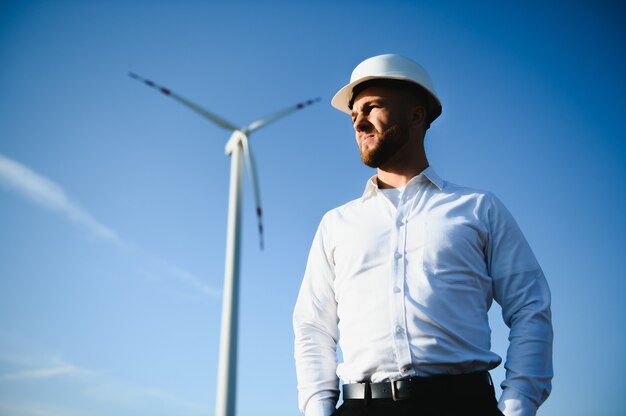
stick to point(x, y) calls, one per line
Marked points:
point(399, 177)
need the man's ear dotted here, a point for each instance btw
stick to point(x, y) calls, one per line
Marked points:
point(418, 116)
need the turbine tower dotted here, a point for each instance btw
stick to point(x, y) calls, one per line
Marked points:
point(239, 151)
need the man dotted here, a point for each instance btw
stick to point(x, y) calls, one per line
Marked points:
point(403, 277)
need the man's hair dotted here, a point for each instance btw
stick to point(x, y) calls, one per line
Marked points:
point(420, 94)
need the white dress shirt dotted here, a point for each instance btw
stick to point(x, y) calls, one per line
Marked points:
point(405, 291)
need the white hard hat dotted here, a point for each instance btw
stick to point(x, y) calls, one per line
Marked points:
point(389, 66)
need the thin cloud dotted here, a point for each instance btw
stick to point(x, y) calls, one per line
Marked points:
point(191, 280)
point(29, 368)
point(44, 373)
point(97, 388)
point(29, 408)
point(47, 194)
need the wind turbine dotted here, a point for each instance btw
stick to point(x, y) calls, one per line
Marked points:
point(239, 151)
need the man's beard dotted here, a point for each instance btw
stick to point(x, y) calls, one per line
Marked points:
point(390, 141)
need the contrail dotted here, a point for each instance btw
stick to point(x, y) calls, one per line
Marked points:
point(45, 193)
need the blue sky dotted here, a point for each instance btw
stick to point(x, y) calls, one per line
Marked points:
point(113, 198)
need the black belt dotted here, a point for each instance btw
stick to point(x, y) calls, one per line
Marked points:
point(416, 386)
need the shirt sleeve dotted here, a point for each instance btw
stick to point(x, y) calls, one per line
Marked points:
point(520, 287)
point(316, 334)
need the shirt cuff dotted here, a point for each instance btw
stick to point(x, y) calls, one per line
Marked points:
point(512, 403)
point(319, 408)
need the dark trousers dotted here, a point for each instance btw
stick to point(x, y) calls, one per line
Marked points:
point(441, 400)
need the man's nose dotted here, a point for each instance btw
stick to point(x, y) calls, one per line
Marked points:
point(361, 123)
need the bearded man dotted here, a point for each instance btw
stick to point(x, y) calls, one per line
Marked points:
point(403, 277)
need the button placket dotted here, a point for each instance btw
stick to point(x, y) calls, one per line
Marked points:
point(401, 342)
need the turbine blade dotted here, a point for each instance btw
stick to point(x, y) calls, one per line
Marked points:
point(255, 125)
point(255, 185)
point(214, 118)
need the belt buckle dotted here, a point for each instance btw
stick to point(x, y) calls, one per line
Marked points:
point(394, 391)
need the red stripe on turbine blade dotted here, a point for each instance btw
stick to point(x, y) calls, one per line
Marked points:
point(166, 91)
point(299, 106)
point(258, 211)
point(150, 83)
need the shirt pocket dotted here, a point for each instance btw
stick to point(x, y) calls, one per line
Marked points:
point(452, 252)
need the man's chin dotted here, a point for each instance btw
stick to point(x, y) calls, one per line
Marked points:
point(368, 160)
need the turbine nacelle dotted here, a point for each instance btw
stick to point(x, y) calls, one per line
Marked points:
point(237, 137)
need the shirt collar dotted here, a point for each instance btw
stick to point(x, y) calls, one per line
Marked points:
point(432, 176)
point(428, 174)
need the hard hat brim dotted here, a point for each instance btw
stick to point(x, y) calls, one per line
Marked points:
point(341, 100)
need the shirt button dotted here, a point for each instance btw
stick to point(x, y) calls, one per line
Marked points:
point(399, 330)
point(400, 223)
point(396, 289)
point(397, 255)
